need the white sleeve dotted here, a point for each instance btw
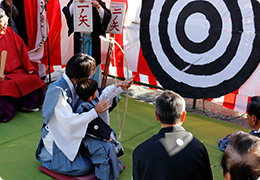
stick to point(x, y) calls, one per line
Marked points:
point(69, 128)
point(101, 13)
point(110, 92)
point(71, 10)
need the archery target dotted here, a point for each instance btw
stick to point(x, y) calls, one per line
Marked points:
point(201, 49)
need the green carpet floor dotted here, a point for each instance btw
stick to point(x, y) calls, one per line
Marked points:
point(19, 139)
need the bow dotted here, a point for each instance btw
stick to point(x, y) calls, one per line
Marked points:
point(112, 42)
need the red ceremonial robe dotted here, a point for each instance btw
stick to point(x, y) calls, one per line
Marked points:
point(18, 82)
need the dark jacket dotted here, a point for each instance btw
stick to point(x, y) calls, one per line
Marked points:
point(173, 153)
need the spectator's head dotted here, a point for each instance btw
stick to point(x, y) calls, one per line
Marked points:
point(87, 90)
point(170, 108)
point(241, 160)
point(80, 67)
point(3, 20)
point(253, 113)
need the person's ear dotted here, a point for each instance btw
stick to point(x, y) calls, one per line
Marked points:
point(74, 81)
point(227, 176)
point(254, 120)
point(156, 116)
point(90, 98)
point(183, 117)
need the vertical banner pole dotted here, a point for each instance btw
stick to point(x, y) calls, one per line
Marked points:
point(47, 39)
point(83, 43)
point(11, 13)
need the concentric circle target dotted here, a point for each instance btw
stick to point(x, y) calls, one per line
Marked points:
point(201, 49)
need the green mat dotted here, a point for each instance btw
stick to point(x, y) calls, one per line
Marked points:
point(20, 136)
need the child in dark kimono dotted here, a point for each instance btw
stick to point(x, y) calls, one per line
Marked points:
point(101, 143)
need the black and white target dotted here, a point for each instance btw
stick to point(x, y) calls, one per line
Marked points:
point(201, 49)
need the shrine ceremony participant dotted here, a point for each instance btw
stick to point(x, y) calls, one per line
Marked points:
point(61, 147)
point(241, 159)
point(20, 86)
point(101, 18)
point(173, 153)
point(100, 140)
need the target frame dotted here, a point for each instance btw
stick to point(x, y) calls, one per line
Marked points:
point(207, 73)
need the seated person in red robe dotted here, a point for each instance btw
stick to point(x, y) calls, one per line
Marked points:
point(20, 86)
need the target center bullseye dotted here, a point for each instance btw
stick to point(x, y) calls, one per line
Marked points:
point(197, 27)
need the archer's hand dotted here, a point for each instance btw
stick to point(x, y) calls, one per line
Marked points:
point(126, 83)
point(102, 106)
point(95, 4)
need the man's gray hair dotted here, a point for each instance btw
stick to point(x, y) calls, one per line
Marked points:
point(169, 107)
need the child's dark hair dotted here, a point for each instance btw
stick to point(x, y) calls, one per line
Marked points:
point(87, 88)
point(80, 66)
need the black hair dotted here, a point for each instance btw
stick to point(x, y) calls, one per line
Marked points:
point(87, 88)
point(169, 107)
point(242, 157)
point(253, 107)
point(80, 66)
